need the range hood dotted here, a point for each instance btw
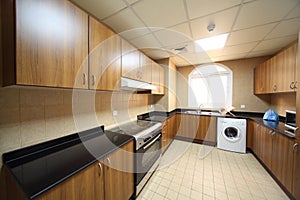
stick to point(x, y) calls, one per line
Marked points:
point(134, 85)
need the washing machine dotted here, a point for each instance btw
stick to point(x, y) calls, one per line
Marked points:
point(231, 134)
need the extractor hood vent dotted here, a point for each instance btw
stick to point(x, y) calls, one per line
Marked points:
point(134, 85)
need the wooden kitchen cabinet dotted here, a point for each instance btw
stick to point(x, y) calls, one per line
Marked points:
point(277, 74)
point(51, 43)
point(158, 79)
point(296, 171)
point(130, 61)
point(207, 129)
point(256, 140)
point(282, 160)
point(250, 129)
point(110, 178)
point(169, 130)
point(146, 68)
point(105, 57)
point(119, 173)
point(266, 145)
point(165, 135)
point(188, 126)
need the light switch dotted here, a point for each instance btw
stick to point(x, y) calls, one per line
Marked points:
point(243, 106)
point(115, 113)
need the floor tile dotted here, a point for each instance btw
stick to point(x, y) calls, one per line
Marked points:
point(219, 175)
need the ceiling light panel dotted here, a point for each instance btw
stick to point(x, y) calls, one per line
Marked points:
point(199, 8)
point(211, 43)
point(222, 20)
point(158, 13)
point(263, 12)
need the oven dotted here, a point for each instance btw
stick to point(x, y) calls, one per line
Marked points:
point(147, 159)
point(148, 143)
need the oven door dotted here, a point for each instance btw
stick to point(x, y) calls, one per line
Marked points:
point(147, 159)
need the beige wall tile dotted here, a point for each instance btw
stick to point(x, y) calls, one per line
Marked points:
point(10, 136)
point(9, 98)
point(32, 96)
point(32, 132)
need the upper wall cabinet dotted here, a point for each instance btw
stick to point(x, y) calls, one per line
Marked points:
point(105, 57)
point(278, 73)
point(50, 47)
point(158, 78)
point(130, 61)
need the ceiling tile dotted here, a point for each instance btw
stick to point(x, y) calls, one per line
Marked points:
point(249, 35)
point(159, 13)
point(242, 48)
point(262, 53)
point(262, 12)
point(135, 33)
point(230, 57)
point(146, 41)
point(124, 20)
point(285, 28)
point(182, 28)
point(222, 20)
point(101, 8)
point(295, 12)
point(169, 37)
point(131, 1)
point(199, 8)
point(275, 43)
point(156, 53)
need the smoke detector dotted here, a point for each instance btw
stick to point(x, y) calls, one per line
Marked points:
point(211, 27)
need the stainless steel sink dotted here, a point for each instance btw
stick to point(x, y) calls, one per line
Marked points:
point(194, 112)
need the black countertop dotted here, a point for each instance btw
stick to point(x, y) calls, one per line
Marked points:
point(278, 127)
point(40, 167)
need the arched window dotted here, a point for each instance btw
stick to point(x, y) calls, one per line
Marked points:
point(210, 85)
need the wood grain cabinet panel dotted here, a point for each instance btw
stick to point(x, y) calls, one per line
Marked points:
point(250, 131)
point(158, 79)
point(130, 61)
point(188, 126)
point(110, 178)
point(266, 145)
point(146, 68)
point(105, 57)
point(256, 140)
point(282, 160)
point(51, 44)
point(207, 129)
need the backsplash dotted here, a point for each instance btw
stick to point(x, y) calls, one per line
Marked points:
point(30, 115)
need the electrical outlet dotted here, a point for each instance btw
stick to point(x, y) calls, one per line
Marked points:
point(243, 106)
point(115, 113)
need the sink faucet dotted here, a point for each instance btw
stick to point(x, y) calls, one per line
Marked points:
point(199, 108)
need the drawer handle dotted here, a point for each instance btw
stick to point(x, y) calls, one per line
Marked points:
point(274, 87)
point(108, 162)
point(295, 147)
point(84, 79)
point(295, 85)
point(93, 80)
point(292, 85)
point(100, 169)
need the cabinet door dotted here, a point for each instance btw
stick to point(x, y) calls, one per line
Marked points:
point(155, 77)
point(277, 73)
point(207, 129)
point(296, 171)
point(188, 126)
point(87, 184)
point(119, 179)
point(51, 44)
point(250, 130)
point(282, 160)
point(145, 68)
point(256, 140)
point(165, 135)
point(268, 75)
point(288, 70)
point(259, 80)
point(105, 57)
point(130, 61)
point(266, 146)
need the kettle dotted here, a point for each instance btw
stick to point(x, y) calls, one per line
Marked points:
point(271, 115)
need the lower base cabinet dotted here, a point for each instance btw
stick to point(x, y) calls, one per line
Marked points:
point(199, 128)
point(169, 130)
point(111, 178)
point(277, 152)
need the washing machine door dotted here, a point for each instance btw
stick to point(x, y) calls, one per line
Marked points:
point(231, 133)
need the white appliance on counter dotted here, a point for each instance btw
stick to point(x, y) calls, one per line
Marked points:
point(231, 134)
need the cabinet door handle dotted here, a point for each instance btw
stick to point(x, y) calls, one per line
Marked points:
point(295, 147)
point(274, 87)
point(292, 85)
point(108, 162)
point(100, 169)
point(93, 80)
point(84, 79)
point(295, 85)
point(273, 134)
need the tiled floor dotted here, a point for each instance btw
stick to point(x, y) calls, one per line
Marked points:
point(193, 171)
